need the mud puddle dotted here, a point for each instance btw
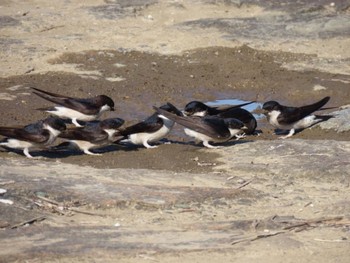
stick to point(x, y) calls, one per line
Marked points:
point(138, 80)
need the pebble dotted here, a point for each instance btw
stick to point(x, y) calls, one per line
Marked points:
point(6, 201)
point(2, 191)
point(241, 181)
point(116, 79)
point(319, 87)
point(119, 65)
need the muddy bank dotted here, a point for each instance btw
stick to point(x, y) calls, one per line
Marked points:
point(257, 199)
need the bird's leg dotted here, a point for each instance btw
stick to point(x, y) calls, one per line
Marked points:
point(145, 143)
point(86, 151)
point(240, 136)
point(76, 123)
point(291, 132)
point(26, 153)
point(206, 144)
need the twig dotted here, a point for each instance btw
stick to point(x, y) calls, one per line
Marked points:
point(309, 203)
point(187, 210)
point(314, 221)
point(85, 212)
point(259, 236)
point(59, 208)
point(244, 184)
point(50, 28)
point(30, 221)
point(48, 200)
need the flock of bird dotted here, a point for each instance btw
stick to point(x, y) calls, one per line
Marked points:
point(204, 123)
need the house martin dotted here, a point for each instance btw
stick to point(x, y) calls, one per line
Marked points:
point(93, 135)
point(293, 118)
point(36, 135)
point(197, 108)
point(208, 128)
point(151, 129)
point(86, 109)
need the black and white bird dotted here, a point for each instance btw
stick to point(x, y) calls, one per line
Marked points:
point(93, 135)
point(76, 109)
point(293, 118)
point(197, 108)
point(36, 135)
point(152, 129)
point(207, 129)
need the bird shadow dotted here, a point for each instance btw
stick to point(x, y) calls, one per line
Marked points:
point(64, 152)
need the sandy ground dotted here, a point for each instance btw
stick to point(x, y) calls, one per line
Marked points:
point(256, 199)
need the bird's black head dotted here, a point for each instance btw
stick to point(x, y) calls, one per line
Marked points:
point(111, 123)
point(55, 123)
point(271, 105)
point(105, 100)
point(171, 108)
point(196, 108)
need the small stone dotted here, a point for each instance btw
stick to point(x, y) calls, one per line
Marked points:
point(119, 65)
point(30, 69)
point(6, 201)
point(2, 191)
point(319, 87)
point(41, 194)
point(116, 79)
point(241, 181)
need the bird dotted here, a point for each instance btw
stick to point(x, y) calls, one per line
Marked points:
point(293, 118)
point(93, 135)
point(83, 109)
point(208, 128)
point(197, 108)
point(36, 135)
point(152, 129)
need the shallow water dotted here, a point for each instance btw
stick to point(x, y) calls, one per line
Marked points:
point(253, 107)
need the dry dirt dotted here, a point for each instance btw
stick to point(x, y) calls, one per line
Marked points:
point(258, 199)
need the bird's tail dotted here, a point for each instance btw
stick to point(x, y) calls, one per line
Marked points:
point(317, 105)
point(322, 118)
point(45, 94)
